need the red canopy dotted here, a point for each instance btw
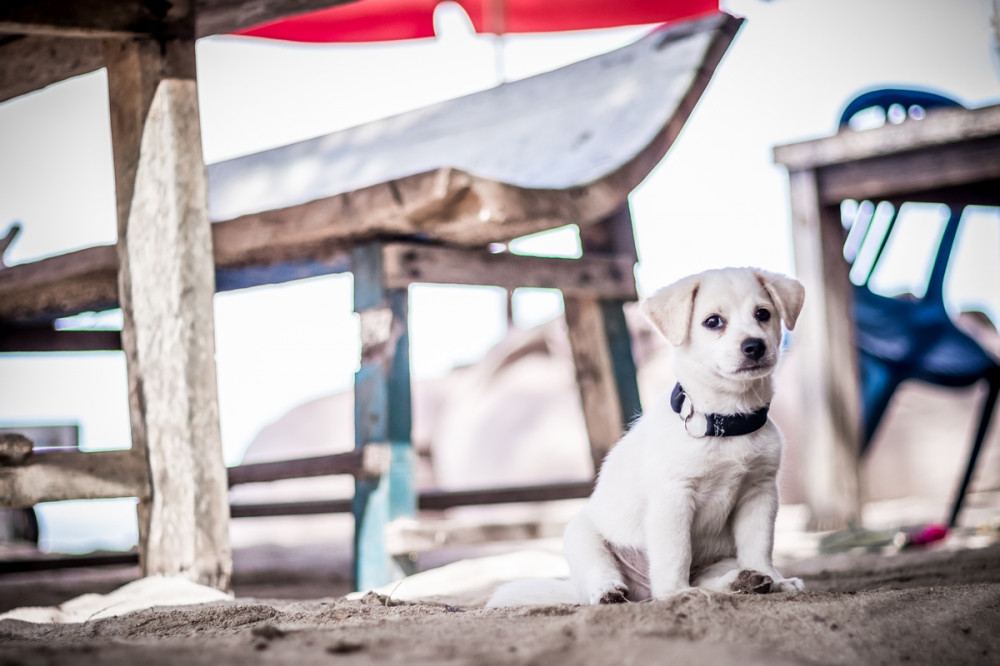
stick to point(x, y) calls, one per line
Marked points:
point(388, 20)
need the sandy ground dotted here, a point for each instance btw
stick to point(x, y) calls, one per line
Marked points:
point(934, 606)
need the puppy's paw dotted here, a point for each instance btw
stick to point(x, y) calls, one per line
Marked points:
point(612, 592)
point(788, 585)
point(752, 582)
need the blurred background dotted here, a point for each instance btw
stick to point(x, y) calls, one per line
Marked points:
point(286, 354)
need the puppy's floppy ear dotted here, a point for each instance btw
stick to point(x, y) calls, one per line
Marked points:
point(787, 293)
point(670, 308)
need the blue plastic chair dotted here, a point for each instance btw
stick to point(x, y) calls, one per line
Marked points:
point(914, 338)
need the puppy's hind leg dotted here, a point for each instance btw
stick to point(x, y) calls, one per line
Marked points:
point(593, 569)
point(719, 577)
point(728, 576)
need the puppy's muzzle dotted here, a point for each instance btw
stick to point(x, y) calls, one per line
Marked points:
point(753, 348)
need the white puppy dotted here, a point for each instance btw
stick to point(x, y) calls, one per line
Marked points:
point(688, 497)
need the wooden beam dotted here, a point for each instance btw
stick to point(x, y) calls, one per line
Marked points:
point(427, 500)
point(217, 17)
point(369, 462)
point(70, 475)
point(38, 52)
point(47, 562)
point(305, 508)
point(47, 339)
point(32, 62)
point(408, 263)
point(166, 286)
point(97, 18)
point(142, 18)
point(941, 126)
point(86, 280)
point(59, 286)
point(824, 339)
point(916, 175)
point(439, 500)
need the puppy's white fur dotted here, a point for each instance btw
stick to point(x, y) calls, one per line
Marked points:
point(673, 509)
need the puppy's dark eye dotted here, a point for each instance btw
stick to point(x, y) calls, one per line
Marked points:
point(762, 315)
point(712, 323)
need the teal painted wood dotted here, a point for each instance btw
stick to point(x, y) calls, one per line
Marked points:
point(614, 235)
point(622, 360)
point(382, 415)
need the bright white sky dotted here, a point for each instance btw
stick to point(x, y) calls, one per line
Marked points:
point(715, 200)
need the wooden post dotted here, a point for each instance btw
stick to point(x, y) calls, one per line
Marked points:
point(601, 345)
point(166, 285)
point(381, 418)
point(831, 400)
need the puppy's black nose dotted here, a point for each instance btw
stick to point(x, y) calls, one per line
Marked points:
point(753, 348)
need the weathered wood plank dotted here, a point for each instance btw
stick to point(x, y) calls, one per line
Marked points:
point(919, 175)
point(382, 416)
point(940, 127)
point(86, 280)
point(408, 263)
point(68, 475)
point(831, 397)
point(97, 18)
point(428, 500)
point(439, 500)
point(166, 286)
point(304, 508)
point(369, 462)
point(33, 61)
point(50, 562)
point(47, 339)
point(66, 284)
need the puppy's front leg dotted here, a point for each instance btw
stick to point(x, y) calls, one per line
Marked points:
point(753, 531)
point(669, 516)
point(592, 567)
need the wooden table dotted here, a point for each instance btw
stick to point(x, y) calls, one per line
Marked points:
point(163, 262)
point(951, 157)
point(566, 147)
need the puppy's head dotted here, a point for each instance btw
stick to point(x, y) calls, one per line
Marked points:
point(727, 319)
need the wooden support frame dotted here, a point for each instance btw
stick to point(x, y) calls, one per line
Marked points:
point(595, 287)
point(165, 288)
point(428, 500)
point(600, 341)
point(832, 394)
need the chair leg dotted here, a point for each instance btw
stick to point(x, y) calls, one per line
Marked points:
point(977, 445)
point(878, 384)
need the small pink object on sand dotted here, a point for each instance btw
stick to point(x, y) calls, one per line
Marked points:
point(926, 534)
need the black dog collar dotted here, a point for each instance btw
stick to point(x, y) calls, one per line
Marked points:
point(722, 425)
